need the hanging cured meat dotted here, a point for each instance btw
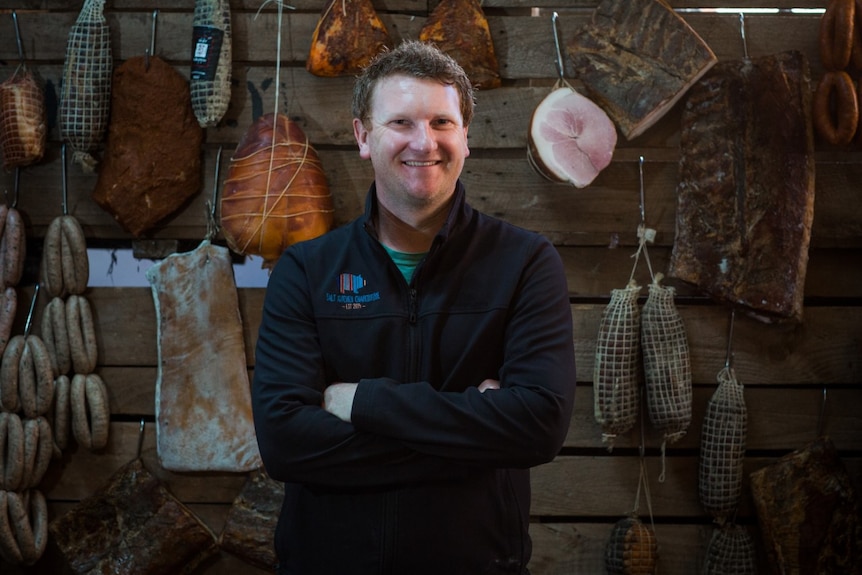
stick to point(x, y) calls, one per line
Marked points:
point(23, 127)
point(275, 193)
point(571, 139)
point(133, 524)
point(746, 185)
point(152, 158)
point(348, 35)
point(459, 28)
point(637, 58)
point(250, 525)
point(203, 398)
point(808, 511)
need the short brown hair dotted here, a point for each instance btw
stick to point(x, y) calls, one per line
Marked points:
point(418, 60)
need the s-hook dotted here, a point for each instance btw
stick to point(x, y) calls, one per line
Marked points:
point(555, 22)
point(742, 34)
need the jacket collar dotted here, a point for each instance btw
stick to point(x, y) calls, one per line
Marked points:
point(459, 213)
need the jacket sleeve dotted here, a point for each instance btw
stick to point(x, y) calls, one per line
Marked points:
point(522, 424)
point(299, 441)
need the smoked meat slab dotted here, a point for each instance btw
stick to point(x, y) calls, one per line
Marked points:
point(249, 529)
point(808, 512)
point(637, 58)
point(132, 525)
point(745, 197)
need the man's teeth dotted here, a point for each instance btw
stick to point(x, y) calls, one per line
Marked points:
point(420, 164)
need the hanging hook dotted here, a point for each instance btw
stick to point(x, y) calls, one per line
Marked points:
point(728, 360)
point(212, 222)
point(140, 439)
point(18, 36)
point(742, 34)
point(643, 203)
point(151, 51)
point(560, 68)
point(29, 321)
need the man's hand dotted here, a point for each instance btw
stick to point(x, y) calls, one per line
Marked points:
point(489, 384)
point(338, 399)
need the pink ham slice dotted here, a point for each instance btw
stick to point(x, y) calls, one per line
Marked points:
point(571, 139)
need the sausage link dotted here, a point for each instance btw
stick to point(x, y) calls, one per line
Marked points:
point(82, 334)
point(44, 452)
point(43, 373)
point(836, 108)
point(9, 550)
point(51, 268)
point(80, 425)
point(75, 261)
point(8, 309)
point(31, 449)
point(14, 247)
point(19, 518)
point(836, 34)
point(100, 411)
point(9, 397)
point(55, 335)
point(14, 472)
point(27, 382)
point(62, 411)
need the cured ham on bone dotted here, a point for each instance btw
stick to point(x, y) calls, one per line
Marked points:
point(571, 139)
point(203, 398)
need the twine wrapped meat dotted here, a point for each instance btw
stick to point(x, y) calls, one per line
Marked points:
point(667, 365)
point(722, 450)
point(23, 125)
point(275, 193)
point(615, 382)
point(730, 550)
point(632, 548)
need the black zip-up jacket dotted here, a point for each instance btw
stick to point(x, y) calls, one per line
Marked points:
point(431, 476)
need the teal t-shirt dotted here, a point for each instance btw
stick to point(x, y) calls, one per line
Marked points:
point(405, 261)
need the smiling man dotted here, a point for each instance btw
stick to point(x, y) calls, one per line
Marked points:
point(412, 365)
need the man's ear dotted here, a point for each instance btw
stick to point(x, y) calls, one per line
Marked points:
point(361, 135)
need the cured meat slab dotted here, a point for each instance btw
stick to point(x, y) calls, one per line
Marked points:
point(203, 398)
point(132, 525)
point(249, 529)
point(637, 58)
point(809, 513)
point(746, 187)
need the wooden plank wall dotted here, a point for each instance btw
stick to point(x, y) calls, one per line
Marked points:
point(801, 380)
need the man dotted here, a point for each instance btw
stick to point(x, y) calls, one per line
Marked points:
point(412, 365)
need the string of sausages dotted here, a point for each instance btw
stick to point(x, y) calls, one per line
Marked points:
point(26, 395)
point(837, 99)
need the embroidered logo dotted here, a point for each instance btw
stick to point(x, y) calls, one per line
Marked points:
point(348, 294)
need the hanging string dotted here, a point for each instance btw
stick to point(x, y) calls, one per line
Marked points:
point(643, 479)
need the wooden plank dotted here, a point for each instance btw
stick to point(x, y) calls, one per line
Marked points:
point(502, 184)
point(777, 419)
point(825, 349)
point(599, 485)
point(602, 486)
point(523, 44)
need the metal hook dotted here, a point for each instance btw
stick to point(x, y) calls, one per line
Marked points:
point(140, 439)
point(729, 357)
point(65, 181)
point(560, 68)
point(742, 33)
point(643, 203)
point(152, 49)
point(212, 223)
point(18, 36)
point(29, 321)
point(822, 417)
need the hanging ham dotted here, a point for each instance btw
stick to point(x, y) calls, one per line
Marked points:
point(348, 35)
point(275, 193)
point(459, 28)
point(571, 139)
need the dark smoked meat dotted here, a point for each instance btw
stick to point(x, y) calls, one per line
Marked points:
point(746, 185)
point(133, 526)
point(249, 529)
point(809, 512)
point(637, 58)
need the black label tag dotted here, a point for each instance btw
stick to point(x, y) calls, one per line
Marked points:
point(206, 52)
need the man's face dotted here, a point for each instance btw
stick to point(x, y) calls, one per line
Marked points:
point(416, 141)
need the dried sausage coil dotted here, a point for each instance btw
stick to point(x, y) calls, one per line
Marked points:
point(836, 108)
point(836, 34)
point(11, 451)
point(90, 411)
